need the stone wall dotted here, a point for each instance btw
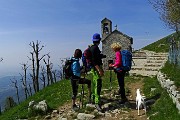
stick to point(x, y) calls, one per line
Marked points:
point(171, 89)
point(106, 49)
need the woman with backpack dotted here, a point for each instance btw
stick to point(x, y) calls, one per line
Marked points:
point(76, 77)
point(116, 47)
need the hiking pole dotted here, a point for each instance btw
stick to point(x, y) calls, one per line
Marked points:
point(83, 89)
point(110, 79)
point(110, 73)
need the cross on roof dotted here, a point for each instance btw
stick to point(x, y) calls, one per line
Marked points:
point(116, 27)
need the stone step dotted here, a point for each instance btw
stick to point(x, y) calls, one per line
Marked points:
point(157, 58)
point(143, 73)
point(165, 54)
point(153, 64)
point(145, 68)
point(157, 55)
point(139, 57)
point(155, 61)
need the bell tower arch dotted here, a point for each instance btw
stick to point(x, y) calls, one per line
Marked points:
point(106, 27)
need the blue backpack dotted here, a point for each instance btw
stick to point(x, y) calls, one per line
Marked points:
point(126, 60)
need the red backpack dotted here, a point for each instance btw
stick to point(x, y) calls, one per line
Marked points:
point(87, 59)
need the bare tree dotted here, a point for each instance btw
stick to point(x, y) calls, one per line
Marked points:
point(62, 60)
point(24, 79)
point(54, 75)
point(43, 72)
point(14, 84)
point(36, 59)
point(30, 89)
point(33, 70)
point(48, 69)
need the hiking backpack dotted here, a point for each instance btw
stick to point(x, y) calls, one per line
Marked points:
point(126, 60)
point(87, 59)
point(67, 68)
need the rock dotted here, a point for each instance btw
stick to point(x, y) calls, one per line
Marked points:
point(54, 113)
point(153, 89)
point(83, 116)
point(90, 105)
point(48, 117)
point(42, 105)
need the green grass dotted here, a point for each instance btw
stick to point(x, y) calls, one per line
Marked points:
point(172, 72)
point(161, 45)
point(56, 95)
point(60, 93)
point(163, 108)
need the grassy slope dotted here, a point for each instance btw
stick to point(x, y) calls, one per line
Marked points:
point(172, 72)
point(55, 95)
point(60, 93)
point(163, 108)
point(161, 45)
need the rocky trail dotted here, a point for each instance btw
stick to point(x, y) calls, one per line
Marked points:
point(110, 104)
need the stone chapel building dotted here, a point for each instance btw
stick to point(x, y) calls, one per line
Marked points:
point(109, 37)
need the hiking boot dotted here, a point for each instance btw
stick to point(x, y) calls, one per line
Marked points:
point(122, 101)
point(98, 107)
point(75, 107)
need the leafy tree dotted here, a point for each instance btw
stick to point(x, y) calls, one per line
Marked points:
point(169, 11)
point(9, 103)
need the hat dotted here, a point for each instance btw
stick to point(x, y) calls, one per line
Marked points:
point(96, 37)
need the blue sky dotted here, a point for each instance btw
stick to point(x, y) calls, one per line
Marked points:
point(64, 25)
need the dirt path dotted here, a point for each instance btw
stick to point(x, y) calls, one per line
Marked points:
point(115, 111)
point(132, 98)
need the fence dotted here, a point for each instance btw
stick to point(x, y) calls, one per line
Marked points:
point(174, 52)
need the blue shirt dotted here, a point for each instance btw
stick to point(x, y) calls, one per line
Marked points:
point(75, 66)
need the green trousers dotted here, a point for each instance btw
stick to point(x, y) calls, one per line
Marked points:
point(96, 86)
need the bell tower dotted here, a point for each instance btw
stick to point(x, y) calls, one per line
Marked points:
point(106, 27)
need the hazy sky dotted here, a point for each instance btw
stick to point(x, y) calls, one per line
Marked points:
point(64, 25)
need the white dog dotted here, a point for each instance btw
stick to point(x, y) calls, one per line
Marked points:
point(140, 101)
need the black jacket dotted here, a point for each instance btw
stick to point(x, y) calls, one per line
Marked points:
point(96, 55)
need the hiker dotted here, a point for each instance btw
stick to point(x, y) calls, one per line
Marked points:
point(76, 78)
point(116, 47)
point(96, 71)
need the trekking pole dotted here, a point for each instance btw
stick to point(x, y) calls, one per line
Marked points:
point(110, 73)
point(82, 92)
point(110, 77)
point(83, 89)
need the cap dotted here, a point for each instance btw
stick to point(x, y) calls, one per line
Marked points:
point(96, 37)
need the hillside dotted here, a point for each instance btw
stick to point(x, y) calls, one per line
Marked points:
point(161, 45)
